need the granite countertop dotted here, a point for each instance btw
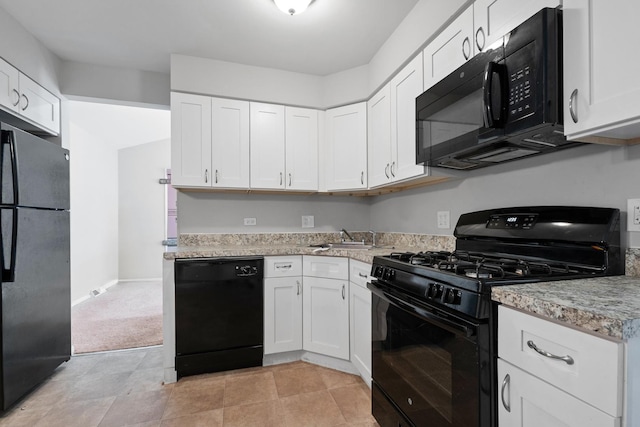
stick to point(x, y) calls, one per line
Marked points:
point(363, 255)
point(606, 305)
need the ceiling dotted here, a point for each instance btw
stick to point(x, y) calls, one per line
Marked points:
point(331, 36)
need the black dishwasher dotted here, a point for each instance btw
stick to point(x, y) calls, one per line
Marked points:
point(219, 314)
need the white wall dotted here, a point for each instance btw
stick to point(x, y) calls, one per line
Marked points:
point(200, 212)
point(591, 175)
point(141, 209)
point(123, 86)
point(94, 211)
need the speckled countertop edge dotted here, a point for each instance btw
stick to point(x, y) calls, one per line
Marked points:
point(608, 306)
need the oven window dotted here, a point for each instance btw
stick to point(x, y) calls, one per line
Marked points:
point(431, 372)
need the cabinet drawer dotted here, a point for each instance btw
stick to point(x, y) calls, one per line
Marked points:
point(326, 267)
point(283, 266)
point(359, 272)
point(595, 375)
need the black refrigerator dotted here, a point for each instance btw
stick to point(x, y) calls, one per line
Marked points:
point(35, 309)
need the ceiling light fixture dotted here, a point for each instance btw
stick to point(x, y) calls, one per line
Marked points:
point(292, 7)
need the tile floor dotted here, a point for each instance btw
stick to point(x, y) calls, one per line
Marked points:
point(125, 388)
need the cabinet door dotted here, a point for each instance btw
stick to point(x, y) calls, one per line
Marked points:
point(360, 330)
point(326, 316)
point(282, 314)
point(495, 18)
point(230, 143)
point(301, 141)
point(601, 85)
point(346, 162)
point(267, 146)
point(450, 49)
point(190, 140)
point(39, 105)
point(379, 137)
point(9, 89)
point(525, 400)
point(405, 87)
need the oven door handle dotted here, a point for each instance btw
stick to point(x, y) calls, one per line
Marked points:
point(424, 312)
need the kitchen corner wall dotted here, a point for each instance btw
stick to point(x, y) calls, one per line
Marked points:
point(590, 175)
point(200, 212)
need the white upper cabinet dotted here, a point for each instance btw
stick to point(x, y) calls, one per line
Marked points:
point(601, 85)
point(19, 94)
point(267, 146)
point(190, 140)
point(9, 86)
point(284, 147)
point(450, 49)
point(230, 143)
point(301, 146)
point(209, 142)
point(494, 18)
point(406, 86)
point(379, 137)
point(392, 127)
point(346, 147)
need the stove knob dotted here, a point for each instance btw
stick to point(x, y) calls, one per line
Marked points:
point(429, 292)
point(377, 272)
point(437, 291)
point(452, 296)
point(386, 273)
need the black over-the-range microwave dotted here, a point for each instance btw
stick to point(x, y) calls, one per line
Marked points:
point(503, 104)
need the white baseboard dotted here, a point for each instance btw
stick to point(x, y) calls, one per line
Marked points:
point(152, 279)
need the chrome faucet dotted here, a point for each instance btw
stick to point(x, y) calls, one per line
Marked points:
point(373, 237)
point(344, 232)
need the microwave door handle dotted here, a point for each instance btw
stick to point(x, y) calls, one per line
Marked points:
point(488, 94)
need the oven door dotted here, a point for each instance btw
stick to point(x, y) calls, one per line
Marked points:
point(428, 368)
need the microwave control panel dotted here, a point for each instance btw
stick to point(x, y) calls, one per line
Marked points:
point(521, 82)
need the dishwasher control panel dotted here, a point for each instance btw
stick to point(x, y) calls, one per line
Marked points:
point(246, 270)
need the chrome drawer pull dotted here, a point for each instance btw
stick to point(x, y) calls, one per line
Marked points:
point(505, 382)
point(568, 359)
point(364, 276)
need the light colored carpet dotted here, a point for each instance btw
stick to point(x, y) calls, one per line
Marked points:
point(127, 315)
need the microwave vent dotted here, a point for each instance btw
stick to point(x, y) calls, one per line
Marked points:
point(504, 154)
point(456, 164)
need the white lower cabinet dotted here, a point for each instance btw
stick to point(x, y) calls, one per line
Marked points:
point(526, 400)
point(325, 306)
point(552, 375)
point(282, 304)
point(360, 318)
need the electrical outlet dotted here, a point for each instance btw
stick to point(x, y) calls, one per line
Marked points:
point(249, 221)
point(444, 219)
point(307, 221)
point(633, 215)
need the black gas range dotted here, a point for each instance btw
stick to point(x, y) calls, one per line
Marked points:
point(433, 323)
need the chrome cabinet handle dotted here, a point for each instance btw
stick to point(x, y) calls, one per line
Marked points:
point(27, 100)
point(289, 179)
point(567, 359)
point(505, 382)
point(343, 291)
point(206, 175)
point(17, 97)
point(573, 105)
point(216, 176)
point(480, 32)
point(364, 276)
point(362, 177)
point(466, 42)
point(298, 286)
point(393, 167)
point(280, 178)
point(386, 171)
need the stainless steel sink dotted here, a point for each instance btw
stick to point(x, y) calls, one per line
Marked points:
point(344, 245)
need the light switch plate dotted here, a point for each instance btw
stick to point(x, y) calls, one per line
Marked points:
point(633, 215)
point(307, 221)
point(444, 219)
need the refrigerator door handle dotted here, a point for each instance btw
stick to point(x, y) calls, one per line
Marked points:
point(9, 138)
point(9, 268)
